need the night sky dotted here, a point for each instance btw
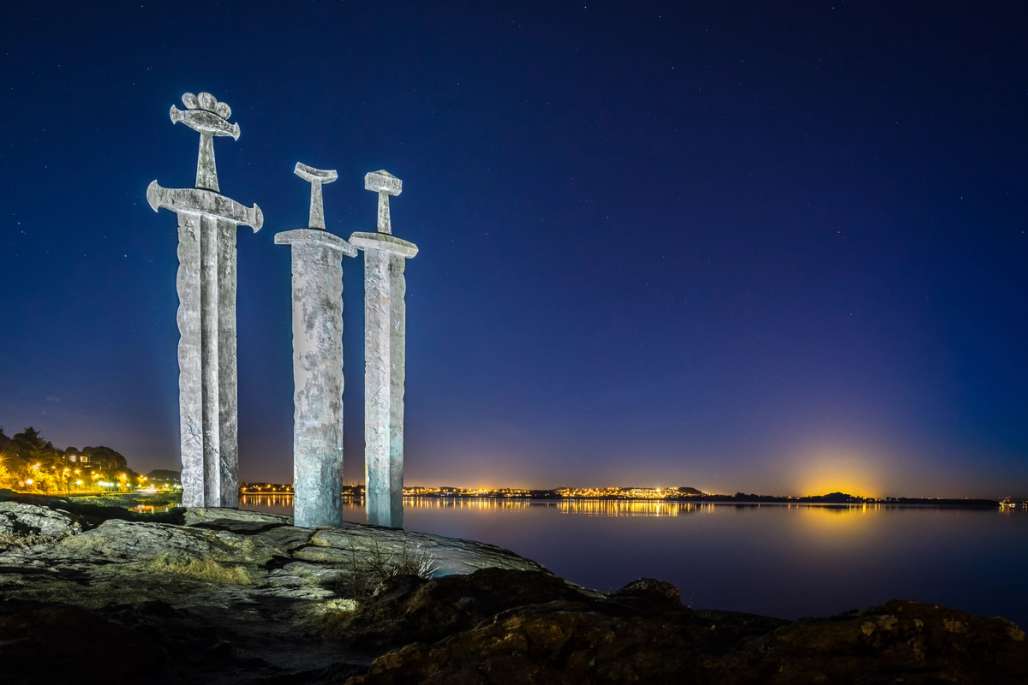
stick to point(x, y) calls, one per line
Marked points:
point(734, 246)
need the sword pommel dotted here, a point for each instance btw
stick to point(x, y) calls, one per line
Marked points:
point(316, 177)
point(383, 182)
point(203, 121)
point(386, 185)
point(312, 175)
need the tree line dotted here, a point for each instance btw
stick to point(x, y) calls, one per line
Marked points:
point(29, 462)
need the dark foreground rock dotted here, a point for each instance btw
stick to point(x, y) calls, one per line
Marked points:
point(215, 596)
point(623, 638)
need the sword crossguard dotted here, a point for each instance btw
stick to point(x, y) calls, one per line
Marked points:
point(203, 202)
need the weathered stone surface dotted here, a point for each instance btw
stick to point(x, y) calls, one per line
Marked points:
point(386, 185)
point(316, 177)
point(384, 356)
point(134, 541)
point(450, 555)
point(155, 643)
point(397, 384)
point(221, 556)
point(239, 597)
point(381, 241)
point(384, 504)
point(208, 117)
point(317, 287)
point(190, 367)
point(216, 515)
point(227, 493)
point(201, 203)
point(649, 593)
point(408, 609)
point(210, 371)
point(206, 285)
point(324, 555)
point(618, 639)
point(28, 524)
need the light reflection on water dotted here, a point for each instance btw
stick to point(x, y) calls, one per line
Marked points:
point(784, 560)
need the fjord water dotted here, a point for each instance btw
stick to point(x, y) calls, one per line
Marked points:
point(778, 560)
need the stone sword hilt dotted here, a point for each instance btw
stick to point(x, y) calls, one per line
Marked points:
point(316, 177)
point(208, 117)
point(202, 202)
point(385, 184)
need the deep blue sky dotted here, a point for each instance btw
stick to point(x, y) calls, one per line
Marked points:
point(736, 246)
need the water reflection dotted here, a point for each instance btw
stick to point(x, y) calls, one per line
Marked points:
point(777, 559)
point(269, 504)
point(152, 508)
point(625, 508)
point(283, 504)
point(814, 513)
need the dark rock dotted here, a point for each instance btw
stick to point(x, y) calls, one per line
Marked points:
point(59, 643)
point(642, 634)
point(150, 642)
point(648, 593)
point(409, 609)
point(26, 524)
point(556, 642)
point(237, 597)
point(898, 642)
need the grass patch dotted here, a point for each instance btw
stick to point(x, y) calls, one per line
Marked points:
point(369, 568)
point(13, 540)
point(207, 570)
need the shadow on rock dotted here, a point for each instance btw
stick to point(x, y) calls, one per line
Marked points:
point(642, 634)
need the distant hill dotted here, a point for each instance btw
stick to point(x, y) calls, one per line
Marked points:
point(834, 498)
point(164, 476)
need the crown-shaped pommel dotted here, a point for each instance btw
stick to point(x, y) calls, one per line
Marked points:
point(205, 114)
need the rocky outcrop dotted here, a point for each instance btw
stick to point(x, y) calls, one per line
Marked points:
point(407, 609)
point(25, 525)
point(261, 590)
point(223, 596)
point(641, 634)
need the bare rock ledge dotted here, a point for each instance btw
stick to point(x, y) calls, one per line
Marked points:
point(92, 593)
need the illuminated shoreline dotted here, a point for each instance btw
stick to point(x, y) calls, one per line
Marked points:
point(654, 495)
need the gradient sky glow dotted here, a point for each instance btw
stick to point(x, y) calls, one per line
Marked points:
point(729, 246)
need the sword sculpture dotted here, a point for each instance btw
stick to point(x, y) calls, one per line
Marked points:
point(317, 279)
point(206, 284)
point(385, 331)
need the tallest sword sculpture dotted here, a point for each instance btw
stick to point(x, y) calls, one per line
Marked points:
point(206, 283)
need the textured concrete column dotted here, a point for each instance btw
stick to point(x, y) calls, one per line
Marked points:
point(228, 393)
point(206, 284)
point(317, 281)
point(209, 332)
point(190, 369)
point(384, 357)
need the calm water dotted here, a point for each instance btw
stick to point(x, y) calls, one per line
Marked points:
point(777, 560)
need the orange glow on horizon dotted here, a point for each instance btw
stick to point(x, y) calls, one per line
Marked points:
point(823, 472)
